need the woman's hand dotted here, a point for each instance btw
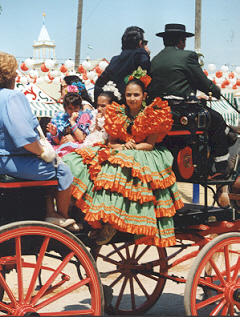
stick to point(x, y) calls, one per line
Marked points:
point(130, 145)
point(67, 138)
point(52, 129)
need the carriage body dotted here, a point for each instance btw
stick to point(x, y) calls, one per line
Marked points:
point(51, 266)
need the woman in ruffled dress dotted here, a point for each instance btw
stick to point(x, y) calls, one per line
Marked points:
point(129, 185)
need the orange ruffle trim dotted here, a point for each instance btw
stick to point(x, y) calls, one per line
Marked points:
point(155, 118)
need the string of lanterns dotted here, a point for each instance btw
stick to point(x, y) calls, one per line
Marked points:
point(55, 76)
point(222, 77)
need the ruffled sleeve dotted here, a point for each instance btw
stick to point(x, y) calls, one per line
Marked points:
point(156, 118)
point(115, 121)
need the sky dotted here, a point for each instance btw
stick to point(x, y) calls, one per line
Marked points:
point(104, 22)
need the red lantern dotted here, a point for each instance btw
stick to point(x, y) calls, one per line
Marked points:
point(238, 82)
point(81, 69)
point(226, 82)
point(205, 72)
point(63, 68)
point(44, 68)
point(231, 75)
point(214, 80)
point(98, 70)
point(84, 76)
point(223, 86)
point(23, 67)
point(234, 87)
point(49, 76)
point(219, 74)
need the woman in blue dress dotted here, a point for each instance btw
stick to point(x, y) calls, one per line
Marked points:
point(22, 154)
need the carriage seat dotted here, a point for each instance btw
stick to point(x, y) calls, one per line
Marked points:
point(7, 181)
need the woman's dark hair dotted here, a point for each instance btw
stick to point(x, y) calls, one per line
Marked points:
point(72, 98)
point(173, 39)
point(136, 81)
point(74, 79)
point(131, 38)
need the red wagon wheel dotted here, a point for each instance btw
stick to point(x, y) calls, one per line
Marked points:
point(48, 271)
point(213, 283)
point(127, 268)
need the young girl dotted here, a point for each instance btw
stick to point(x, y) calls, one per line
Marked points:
point(129, 186)
point(68, 129)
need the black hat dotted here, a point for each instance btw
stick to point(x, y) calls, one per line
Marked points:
point(175, 29)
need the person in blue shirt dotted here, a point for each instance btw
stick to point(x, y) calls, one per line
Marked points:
point(22, 153)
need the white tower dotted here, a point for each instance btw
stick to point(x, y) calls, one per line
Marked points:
point(43, 48)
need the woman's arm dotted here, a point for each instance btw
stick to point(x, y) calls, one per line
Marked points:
point(34, 147)
point(148, 145)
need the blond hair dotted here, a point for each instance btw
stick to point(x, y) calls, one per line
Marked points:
point(8, 67)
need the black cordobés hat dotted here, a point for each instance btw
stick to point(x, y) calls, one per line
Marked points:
point(174, 28)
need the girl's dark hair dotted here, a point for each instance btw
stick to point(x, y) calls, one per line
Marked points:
point(109, 95)
point(74, 79)
point(131, 38)
point(72, 98)
point(136, 81)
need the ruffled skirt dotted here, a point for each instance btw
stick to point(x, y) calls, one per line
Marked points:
point(135, 191)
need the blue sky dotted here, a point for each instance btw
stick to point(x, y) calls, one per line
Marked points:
point(104, 22)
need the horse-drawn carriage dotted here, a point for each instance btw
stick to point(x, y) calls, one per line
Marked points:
point(47, 270)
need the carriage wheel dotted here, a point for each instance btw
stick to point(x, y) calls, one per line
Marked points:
point(129, 271)
point(47, 271)
point(213, 283)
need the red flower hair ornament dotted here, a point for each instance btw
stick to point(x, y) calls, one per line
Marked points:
point(139, 74)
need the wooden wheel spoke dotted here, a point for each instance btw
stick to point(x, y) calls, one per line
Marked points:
point(218, 308)
point(116, 281)
point(227, 263)
point(132, 293)
point(236, 270)
point(142, 287)
point(225, 309)
point(209, 301)
point(52, 278)
point(155, 278)
point(37, 269)
point(142, 253)
point(218, 272)
point(7, 289)
point(121, 292)
point(109, 260)
point(134, 251)
point(18, 249)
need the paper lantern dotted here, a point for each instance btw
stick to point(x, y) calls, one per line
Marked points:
point(223, 86)
point(87, 82)
point(69, 64)
point(23, 80)
point(84, 76)
point(29, 62)
point(205, 72)
point(231, 75)
point(233, 81)
point(238, 82)
point(63, 68)
point(72, 72)
point(224, 68)
point(47, 79)
point(39, 80)
point(98, 70)
point(103, 65)
point(81, 69)
point(219, 80)
point(44, 68)
point(87, 65)
point(33, 73)
point(211, 68)
point(234, 87)
point(238, 70)
point(49, 63)
point(91, 75)
point(219, 74)
point(23, 67)
point(56, 80)
point(95, 79)
point(49, 76)
point(18, 79)
point(226, 82)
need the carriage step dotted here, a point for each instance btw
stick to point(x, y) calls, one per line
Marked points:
point(192, 214)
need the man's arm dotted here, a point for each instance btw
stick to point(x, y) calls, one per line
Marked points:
point(197, 79)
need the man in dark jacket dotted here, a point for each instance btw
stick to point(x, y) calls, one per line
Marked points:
point(177, 74)
point(134, 53)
